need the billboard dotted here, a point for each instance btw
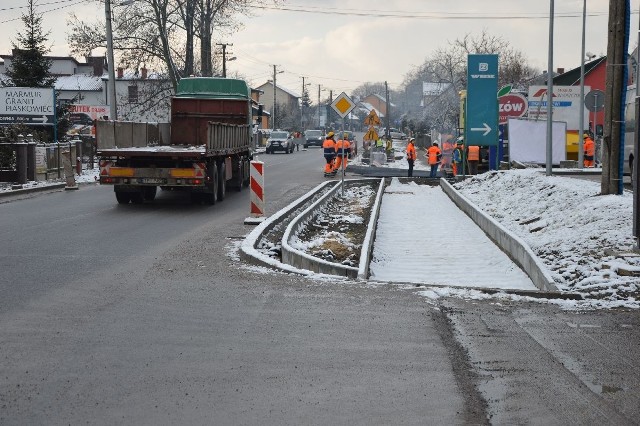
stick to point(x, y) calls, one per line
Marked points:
point(82, 118)
point(528, 141)
point(566, 104)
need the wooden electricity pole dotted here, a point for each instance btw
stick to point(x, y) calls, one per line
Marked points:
point(614, 88)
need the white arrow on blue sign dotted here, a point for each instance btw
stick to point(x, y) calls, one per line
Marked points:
point(481, 124)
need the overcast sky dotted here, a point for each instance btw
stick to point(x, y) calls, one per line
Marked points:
point(341, 44)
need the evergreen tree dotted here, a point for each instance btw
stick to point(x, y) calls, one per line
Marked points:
point(30, 66)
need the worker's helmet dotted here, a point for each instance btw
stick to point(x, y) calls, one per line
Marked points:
point(412, 139)
point(460, 141)
point(584, 136)
point(330, 134)
point(346, 135)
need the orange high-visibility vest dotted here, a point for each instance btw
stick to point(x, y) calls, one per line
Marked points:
point(433, 153)
point(342, 145)
point(474, 153)
point(589, 147)
point(329, 146)
point(411, 151)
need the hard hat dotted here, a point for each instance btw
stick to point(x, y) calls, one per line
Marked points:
point(460, 140)
point(346, 135)
point(330, 134)
point(584, 136)
point(412, 139)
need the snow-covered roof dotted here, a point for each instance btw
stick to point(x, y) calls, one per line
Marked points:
point(82, 82)
point(367, 107)
point(434, 89)
point(284, 89)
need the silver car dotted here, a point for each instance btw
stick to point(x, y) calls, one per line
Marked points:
point(280, 141)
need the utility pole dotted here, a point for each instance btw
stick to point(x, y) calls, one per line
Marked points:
point(318, 108)
point(113, 110)
point(224, 57)
point(302, 106)
point(273, 113)
point(388, 111)
point(612, 160)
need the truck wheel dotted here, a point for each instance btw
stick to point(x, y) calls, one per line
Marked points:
point(222, 182)
point(211, 196)
point(149, 193)
point(137, 197)
point(123, 197)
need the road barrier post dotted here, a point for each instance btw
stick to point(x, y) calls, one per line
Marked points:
point(257, 188)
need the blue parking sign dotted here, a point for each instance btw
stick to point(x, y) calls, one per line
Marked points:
point(481, 124)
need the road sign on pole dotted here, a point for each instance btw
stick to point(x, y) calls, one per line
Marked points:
point(27, 105)
point(343, 105)
point(481, 124)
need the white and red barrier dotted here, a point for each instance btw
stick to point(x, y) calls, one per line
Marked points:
point(257, 188)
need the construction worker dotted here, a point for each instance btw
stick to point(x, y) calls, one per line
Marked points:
point(411, 155)
point(589, 148)
point(380, 144)
point(457, 157)
point(473, 158)
point(343, 148)
point(433, 156)
point(329, 147)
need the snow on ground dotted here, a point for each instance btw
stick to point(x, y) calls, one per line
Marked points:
point(584, 238)
point(87, 176)
point(422, 237)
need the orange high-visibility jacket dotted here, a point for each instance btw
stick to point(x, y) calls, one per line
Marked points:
point(329, 146)
point(434, 154)
point(589, 147)
point(474, 153)
point(342, 145)
point(411, 151)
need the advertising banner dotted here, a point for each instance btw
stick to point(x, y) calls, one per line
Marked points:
point(83, 116)
point(566, 104)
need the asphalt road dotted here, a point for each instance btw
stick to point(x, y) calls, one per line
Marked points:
point(143, 314)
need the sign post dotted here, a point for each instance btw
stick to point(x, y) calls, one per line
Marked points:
point(481, 124)
point(343, 105)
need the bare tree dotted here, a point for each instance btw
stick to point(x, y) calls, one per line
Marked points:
point(164, 34)
point(448, 66)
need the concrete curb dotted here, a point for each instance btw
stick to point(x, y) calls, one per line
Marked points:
point(248, 250)
point(515, 247)
point(32, 189)
point(367, 244)
point(303, 260)
point(299, 259)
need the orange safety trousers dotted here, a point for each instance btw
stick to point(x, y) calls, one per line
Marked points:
point(339, 162)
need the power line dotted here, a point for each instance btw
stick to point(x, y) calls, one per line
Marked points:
point(426, 15)
point(47, 11)
point(39, 4)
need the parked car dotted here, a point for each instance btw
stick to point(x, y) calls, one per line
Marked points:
point(280, 141)
point(395, 134)
point(313, 137)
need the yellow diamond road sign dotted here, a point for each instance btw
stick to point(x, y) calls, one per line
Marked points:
point(343, 105)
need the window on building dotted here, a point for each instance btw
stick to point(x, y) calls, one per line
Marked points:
point(133, 94)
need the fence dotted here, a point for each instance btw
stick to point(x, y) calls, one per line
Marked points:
point(27, 160)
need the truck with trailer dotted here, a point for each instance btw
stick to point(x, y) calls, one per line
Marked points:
point(205, 149)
